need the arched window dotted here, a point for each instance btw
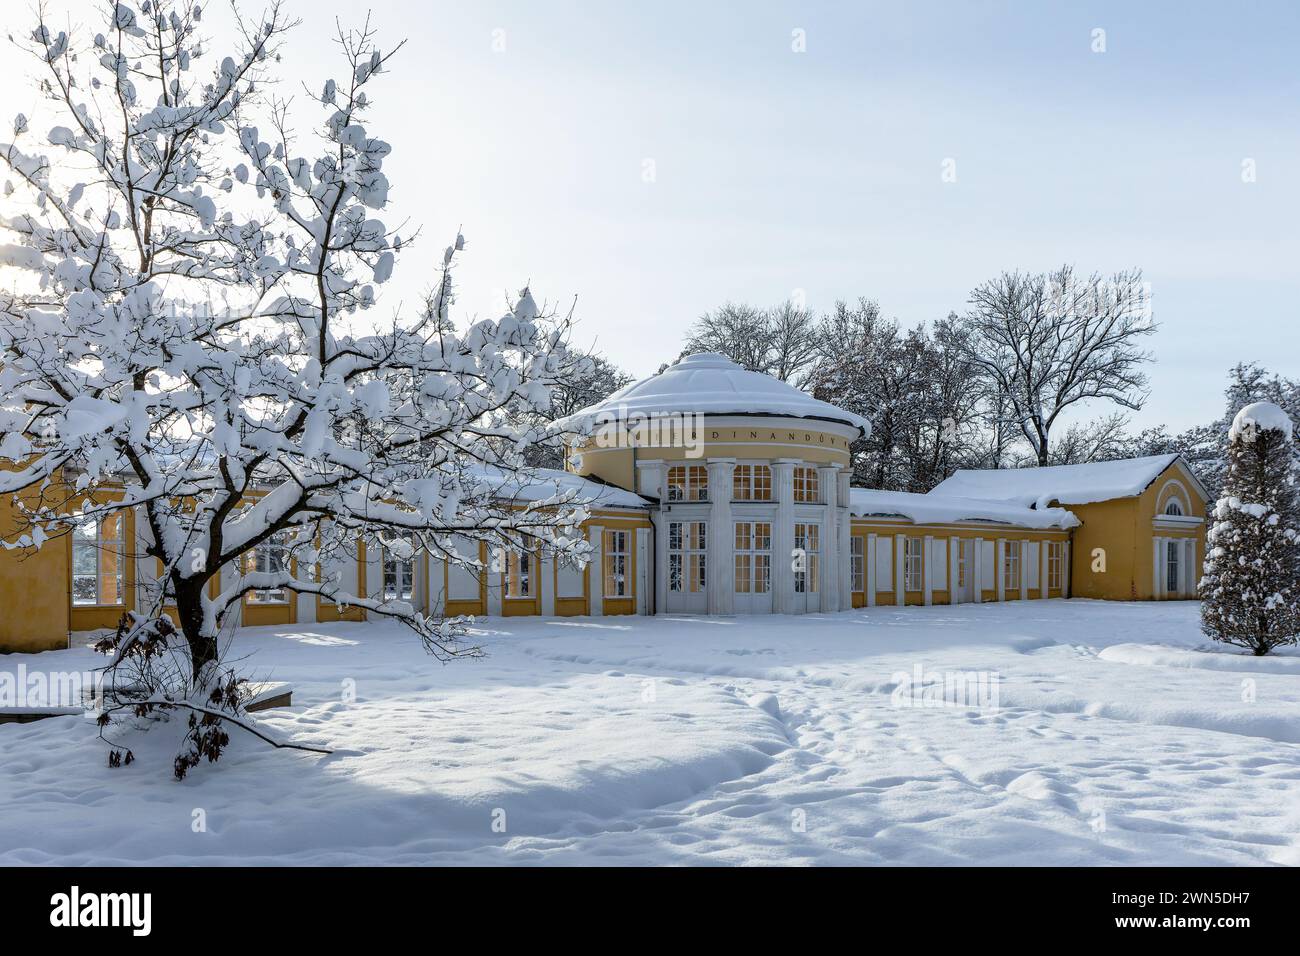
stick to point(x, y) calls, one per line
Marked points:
point(1174, 507)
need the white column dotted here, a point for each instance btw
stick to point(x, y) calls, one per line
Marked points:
point(650, 482)
point(1024, 570)
point(643, 570)
point(1044, 547)
point(1065, 566)
point(977, 570)
point(900, 569)
point(720, 584)
point(375, 572)
point(870, 558)
point(999, 569)
point(828, 484)
point(1157, 567)
point(927, 569)
point(435, 574)
point(783, 535)
point(660, 522)
point(546, 571)
point(1190, 577)
point(595, 572)
point(954, 561)
point(846, 542)
point(307, 608)
point(496, 579)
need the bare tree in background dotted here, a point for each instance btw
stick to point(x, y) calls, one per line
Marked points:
point(795, 344)
point(781, 341)
point(1049, 341)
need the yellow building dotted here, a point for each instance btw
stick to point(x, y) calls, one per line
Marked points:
point(713, 491)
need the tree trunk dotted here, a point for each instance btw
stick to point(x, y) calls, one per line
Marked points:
point(189, 610)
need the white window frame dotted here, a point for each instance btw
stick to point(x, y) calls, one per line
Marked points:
point(753, 557)
point(615, 563)
point(1055, 565)
point(520, 568)
point(100, 544)
point(688, 548)
point(398, 567)
point(805, 485)
point(1012, 566)
point(807, 538)
point(913, 564)
point(261, 556)
point(857, 566)
point(688, 483)
point(749, 480)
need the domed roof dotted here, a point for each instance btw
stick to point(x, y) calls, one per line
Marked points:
point(711, 384)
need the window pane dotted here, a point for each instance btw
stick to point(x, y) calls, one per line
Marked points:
point(85, 557)
point(84, 589)
point(742, 574)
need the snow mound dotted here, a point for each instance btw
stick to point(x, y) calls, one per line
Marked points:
point(1159, 655)
point(1261, 416)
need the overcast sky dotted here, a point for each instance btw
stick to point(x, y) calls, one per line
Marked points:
point(657, 159)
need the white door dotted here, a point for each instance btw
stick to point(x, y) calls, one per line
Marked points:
point(753, 567)
point(807, 567)
point(687, 567)
point(966, 570)
point(1173, 568)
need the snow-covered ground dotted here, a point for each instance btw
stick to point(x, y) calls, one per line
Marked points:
point(1106, 734)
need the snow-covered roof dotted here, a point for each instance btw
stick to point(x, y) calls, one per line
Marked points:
point(1065, 484)
point(539, 484)
point(712, 384)
point(933, 509)
point(1261, 416)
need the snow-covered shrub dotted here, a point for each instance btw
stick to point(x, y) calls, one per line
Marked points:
point(194, 338)
point(1251, 585)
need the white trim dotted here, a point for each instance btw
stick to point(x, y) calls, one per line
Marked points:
point(1158, 569)
point(900, 569)
point(927, 570)
point(954, 568)
point(1000, 568)
point(546, 570)
point(870, 558)
point(596, 572)
point(1044, 566)
point(642, 570)
point(1023, 569)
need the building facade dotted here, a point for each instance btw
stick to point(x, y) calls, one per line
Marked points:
point(712, 490)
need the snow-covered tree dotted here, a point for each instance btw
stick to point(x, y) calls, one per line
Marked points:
point(603, 379)
point(1251, 585)
point(194, 342)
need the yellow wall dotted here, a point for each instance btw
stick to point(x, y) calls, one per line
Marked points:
point(35, 591)
point(1123, 532)
point(808, 442)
